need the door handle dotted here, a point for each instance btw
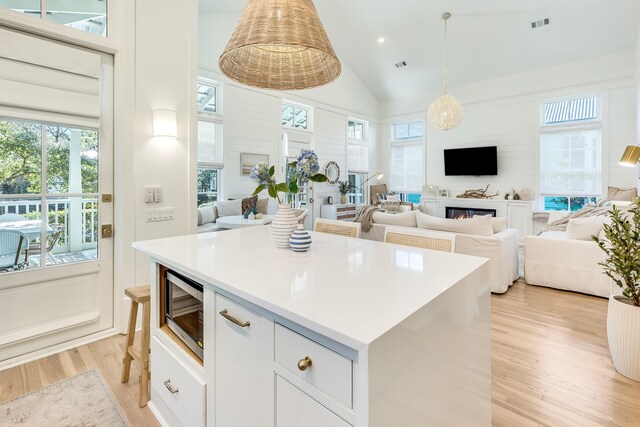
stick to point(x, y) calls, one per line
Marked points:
point(107, 231)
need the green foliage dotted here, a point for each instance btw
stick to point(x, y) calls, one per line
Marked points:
point(345, 187)
point(291, 186)
point(622, 247)
point(21, 158)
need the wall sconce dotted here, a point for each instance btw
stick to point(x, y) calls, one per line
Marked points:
point(630, 156)
point(165, 124)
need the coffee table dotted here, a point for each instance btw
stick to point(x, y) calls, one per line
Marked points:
point(238, 221)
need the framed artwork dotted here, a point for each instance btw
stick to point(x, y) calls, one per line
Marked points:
point(430, 191)
point(249, 160)
point(443, 193)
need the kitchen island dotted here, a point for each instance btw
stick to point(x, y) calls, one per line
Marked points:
point(351, 333)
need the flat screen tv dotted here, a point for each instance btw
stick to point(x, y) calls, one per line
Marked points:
point(471, 161)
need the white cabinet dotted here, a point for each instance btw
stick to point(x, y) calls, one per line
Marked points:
point(520, 216)
point(181, 391)
point(340, 212)
point(238, 361)
point(429, 206)
point(294, 408)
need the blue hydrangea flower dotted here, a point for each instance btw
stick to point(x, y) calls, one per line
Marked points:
point(260, 174)
point(307, 164)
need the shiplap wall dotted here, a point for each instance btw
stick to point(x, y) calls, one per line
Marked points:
point(251, 125)
point(505, 112)
point(330, 144)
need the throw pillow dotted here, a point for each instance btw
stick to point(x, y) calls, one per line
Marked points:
point(382, 196)
point(479, 226)
point(498, 223)
point(616, 193)
point(393, 197)
point(406, 219)
point(229, 207)
point(206, 214)
point(249, 203)
point(584, 228)
point(262, 205)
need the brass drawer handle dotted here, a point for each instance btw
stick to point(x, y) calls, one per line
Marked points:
point(167, 384)
point(232, 319)
point(304, 364)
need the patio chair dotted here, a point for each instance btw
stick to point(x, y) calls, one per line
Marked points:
point(52, 240)
point(12, 245)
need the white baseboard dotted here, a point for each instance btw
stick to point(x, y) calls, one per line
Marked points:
point(39, 354)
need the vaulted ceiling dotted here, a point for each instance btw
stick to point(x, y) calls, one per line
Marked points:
point(486, 39)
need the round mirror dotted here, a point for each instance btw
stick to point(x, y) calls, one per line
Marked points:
point(332, 171)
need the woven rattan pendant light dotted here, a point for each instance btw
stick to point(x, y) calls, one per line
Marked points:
point(280, 44)
point(445, 112)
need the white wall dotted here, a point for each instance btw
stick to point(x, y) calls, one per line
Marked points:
point(165, 76)
point(505, 112)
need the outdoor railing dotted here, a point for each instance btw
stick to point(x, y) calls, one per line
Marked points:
point(58, 215)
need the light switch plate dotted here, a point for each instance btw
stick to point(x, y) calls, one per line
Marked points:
point(148, 195)
point(157, 194)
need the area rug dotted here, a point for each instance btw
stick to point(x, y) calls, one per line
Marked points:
point(83, 400)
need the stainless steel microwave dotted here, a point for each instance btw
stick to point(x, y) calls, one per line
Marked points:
point(183, 310)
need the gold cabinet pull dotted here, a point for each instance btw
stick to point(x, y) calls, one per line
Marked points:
point(167, 384)
point(304, 364)
point(232, 319)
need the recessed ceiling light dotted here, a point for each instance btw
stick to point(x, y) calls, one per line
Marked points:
point(380, 40)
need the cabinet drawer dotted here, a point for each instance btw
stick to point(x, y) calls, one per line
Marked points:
point(294, 409)
point(187, 401)
point(346, 209)
point(329, 372)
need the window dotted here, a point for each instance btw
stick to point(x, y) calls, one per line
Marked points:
point(296, 116)
point(210, 154)
point(87, 16)
point(570, 153)
point(357, 183)
point(407, 158)
point(357, 129)
point(208, 100)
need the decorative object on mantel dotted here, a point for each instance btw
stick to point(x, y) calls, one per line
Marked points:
point(525, 194)
point(280, 44)
point(332, 171)
point(300, 240)
point(622, 247)
point(443, 193)
point(344, 187)
point(480, 193)
point(445, 112)
point(285, 222)
point(430, 191)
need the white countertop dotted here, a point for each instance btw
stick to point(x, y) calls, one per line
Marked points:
point(350, 290)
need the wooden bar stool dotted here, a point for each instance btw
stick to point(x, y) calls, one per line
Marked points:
point(138, 295)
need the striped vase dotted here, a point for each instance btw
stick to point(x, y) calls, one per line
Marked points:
point(282, 225)
point(300, 240)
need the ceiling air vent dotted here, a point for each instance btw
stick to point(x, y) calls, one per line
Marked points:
point(540, 23)
point(401, 64)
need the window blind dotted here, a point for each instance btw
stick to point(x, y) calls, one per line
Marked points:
point(570, 163)
point(357, 158)
point(210, 144)
point(407, 168)
point(43, 80)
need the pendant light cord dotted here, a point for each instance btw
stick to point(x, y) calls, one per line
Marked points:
point(444, 63)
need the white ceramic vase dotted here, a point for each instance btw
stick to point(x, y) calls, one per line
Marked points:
point(283, 225)
point(623, 333)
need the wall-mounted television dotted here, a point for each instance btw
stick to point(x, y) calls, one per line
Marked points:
point(471, 161)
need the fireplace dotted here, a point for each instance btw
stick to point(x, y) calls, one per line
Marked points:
point(459, 213)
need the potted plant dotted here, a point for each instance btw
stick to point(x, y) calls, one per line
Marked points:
point(622, 265)
point(344, 187)
point(306, 168)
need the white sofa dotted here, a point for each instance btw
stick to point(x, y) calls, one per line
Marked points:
point(501, 248)
point(207, 215)
point(567, 260)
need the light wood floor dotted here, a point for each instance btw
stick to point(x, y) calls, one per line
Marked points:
point(550, 365)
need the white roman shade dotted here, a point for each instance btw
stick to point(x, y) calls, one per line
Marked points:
point(47, 81)
point(570, 162)
point(296, 142)
point(357, 158)
point(407, 168)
